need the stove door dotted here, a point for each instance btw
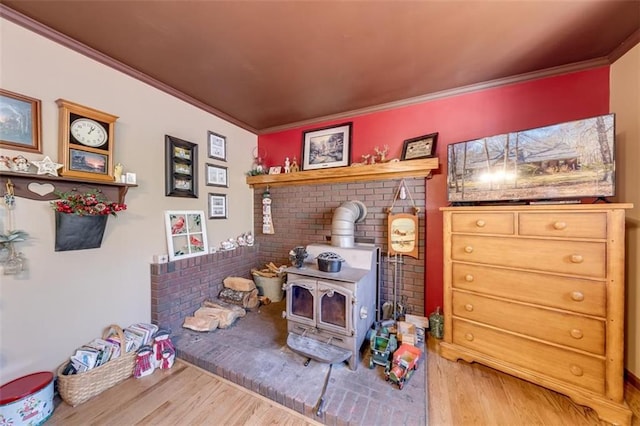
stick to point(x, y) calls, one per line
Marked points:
point(301, 297)
point(335, 304)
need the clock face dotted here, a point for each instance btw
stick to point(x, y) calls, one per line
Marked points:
point(89, 132)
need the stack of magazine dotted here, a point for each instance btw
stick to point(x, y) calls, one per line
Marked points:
point(99, 351)
point(138, 335)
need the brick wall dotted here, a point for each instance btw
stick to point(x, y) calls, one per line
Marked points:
point(179, 288)
point(303, 215)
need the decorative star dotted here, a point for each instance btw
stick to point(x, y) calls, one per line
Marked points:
point(47, 167)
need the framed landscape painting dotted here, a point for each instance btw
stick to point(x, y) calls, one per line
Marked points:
point(327, 147)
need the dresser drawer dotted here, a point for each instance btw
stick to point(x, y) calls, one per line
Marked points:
point(573, 294)
point(582, 370)
point(582, 258)
point(565, 329)
point(483, 223)
point(567, 225)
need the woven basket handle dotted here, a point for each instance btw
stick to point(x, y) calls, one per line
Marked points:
point(120, 332)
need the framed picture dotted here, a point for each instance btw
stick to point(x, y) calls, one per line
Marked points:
point(327, 147)
point(181, 173)
point(217, 206)
point(85, 161)
point(420, 147)
point(275, 170)
point(217, 146)
point(20, 124)
point(216, 175)
point(186, 234)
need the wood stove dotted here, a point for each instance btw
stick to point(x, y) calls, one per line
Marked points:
point(334, 308)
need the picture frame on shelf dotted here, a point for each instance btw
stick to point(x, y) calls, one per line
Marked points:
point(216, 175)
point(420, 147)
point(21, 130)
point(275, 170)
point(186, 234)
point(181, 174)
point(217, 206)
point(327, 147)
point(217, 146)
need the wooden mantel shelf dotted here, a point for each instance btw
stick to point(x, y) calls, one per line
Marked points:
point(39, 187)
point(391, 170)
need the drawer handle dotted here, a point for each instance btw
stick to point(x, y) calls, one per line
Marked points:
point(469, 337)
point(468, 249)
point(480, 223)
point(560, 225)
point(576, 258)
point(576, 333)
point(578, 296)
point(576, 371)
point(469, 278)
point(468, 307)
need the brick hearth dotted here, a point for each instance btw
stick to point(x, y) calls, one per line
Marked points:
point(253, 354)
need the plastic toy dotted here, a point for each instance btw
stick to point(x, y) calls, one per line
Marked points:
point(405, 362)
point(382, 347)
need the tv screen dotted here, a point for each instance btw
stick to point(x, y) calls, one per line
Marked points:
point(562, 161)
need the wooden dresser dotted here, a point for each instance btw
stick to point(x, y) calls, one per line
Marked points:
point(538, 292)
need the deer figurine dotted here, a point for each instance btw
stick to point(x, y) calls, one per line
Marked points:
point(382, 154)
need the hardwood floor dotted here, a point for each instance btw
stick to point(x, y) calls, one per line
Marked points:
point(182, 395)
point(471, 394)
point(459, 394)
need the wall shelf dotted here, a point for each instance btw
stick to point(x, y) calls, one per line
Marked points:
point(381, 171)
point(41, 187)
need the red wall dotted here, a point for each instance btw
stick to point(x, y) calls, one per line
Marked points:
point(458, 118)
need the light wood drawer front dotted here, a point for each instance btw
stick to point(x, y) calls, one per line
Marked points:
point(483, 223)
point(576, 368)
point(573, 294)
point(566, 329)
point(564, 225)
point(582, 258)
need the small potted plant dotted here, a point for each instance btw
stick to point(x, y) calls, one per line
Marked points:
point(9, 259)
point(81, 218)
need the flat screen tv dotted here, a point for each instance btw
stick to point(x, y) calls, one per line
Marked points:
point(564, 161)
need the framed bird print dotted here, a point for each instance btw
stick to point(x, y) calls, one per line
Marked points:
point(186, 234)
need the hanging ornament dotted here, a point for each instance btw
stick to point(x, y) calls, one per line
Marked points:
point(267, 220)
point(402, 227)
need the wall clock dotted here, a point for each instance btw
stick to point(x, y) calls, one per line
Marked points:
point(86, 141)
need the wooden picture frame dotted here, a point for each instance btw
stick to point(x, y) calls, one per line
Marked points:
point(217, 145)
point(21, 128)
point(217, 206)
point(327, 147)
point(420, 147)
point(86, 142)
point(186, 234)
point(181, 173)
point(216, 175)
point(403, 234)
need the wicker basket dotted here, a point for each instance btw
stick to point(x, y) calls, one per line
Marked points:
point(78, 388)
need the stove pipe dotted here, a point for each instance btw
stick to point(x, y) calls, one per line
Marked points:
point(344, 219)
